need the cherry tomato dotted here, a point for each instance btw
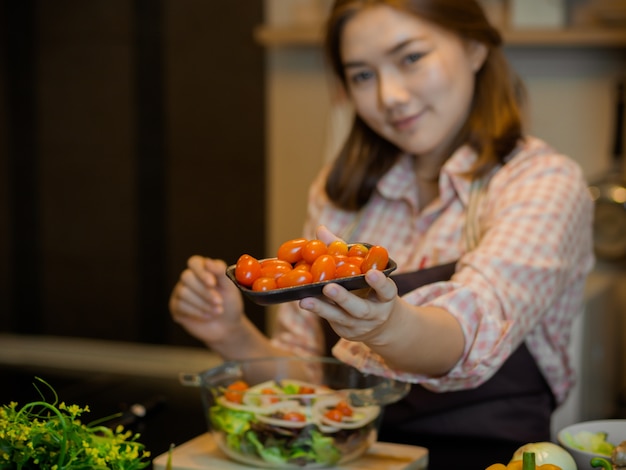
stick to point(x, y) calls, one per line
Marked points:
point(377, 258)
point(274, 267)
point(358, 249)
point(234, 391)
point(263, 284)
point(305, 390)
point(340, 260)
point(269, 391)
point(294, 416)
point(338, 248)
point(347, 270)
point(323, 268)
point(356, 260)
point(291, 250)
point(313, 249)
point(295, 277)
point(302, 265)
point(345, 409)
point(238, 385)
point(334, 415)
point(234, 396)
point(247, 270)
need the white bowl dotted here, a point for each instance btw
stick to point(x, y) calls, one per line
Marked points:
point(616, 433)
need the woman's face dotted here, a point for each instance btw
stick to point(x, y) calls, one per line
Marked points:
point(411, 81)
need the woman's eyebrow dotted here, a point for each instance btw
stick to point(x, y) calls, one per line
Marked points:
point(393, 50)
point(401, 45)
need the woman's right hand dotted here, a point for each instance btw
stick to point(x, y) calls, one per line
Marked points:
point(205, 302)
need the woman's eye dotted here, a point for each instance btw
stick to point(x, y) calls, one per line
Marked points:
point(412, 58)
point(361, 77)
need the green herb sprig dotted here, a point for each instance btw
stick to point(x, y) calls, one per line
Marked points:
point(51, 436)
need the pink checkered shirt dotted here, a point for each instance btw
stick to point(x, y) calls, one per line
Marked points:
point(523, 282)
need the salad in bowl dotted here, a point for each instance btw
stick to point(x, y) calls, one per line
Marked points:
point(293, 412)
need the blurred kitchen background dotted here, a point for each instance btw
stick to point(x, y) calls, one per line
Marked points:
point(136, 133)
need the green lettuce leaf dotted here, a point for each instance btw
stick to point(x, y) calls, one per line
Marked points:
point(269, 453)
point(590, 442)
point(230, 421)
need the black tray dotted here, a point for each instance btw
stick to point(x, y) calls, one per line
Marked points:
point(287, 294)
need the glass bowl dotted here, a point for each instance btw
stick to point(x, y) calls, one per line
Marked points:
point(291, 412)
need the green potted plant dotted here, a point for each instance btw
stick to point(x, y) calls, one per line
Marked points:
point(50, 436)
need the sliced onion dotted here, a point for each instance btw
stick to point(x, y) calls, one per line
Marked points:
point(260, 410)
point(325, 428)
point(362, 414)
point(278, 386)
point(283, 423)
point(258, 388)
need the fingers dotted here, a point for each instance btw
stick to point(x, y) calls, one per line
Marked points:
point(191, 297)
point(385, 289)
point(322, 233)
point(382, 289)
point(196, 292)
point(361, 305)
point(183, 308)
point(206, 269)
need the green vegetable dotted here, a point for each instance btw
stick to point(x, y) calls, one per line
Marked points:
point(290, 388)
point(324, 447)
point(50, 436)
point(590, 442)
point(269, 453)
point(230, 421)
point(528, 461)
point(170, 453)
point(601, 462)
point(309, 445)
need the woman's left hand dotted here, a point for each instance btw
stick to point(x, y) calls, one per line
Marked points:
point(357, 315)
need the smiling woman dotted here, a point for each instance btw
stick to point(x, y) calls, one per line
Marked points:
point(490, 228)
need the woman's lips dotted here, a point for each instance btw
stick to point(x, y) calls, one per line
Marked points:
point(406, 122)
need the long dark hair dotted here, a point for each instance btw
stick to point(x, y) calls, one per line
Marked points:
point(494, 124)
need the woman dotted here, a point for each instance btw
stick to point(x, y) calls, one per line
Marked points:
point(437, 169)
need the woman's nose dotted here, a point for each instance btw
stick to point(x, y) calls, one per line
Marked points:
point(392, 90)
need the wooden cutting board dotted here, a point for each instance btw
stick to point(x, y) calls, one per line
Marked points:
point(202, 453)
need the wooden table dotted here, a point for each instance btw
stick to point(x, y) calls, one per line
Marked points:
point(202, 453)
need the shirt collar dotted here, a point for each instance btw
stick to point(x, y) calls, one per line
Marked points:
point(453, 182)
point(400, 181)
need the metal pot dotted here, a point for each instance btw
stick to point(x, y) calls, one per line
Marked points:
point(609, 194)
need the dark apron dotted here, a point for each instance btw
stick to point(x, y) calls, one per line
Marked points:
point(469, 429)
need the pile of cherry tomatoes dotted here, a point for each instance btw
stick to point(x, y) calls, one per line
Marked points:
point(301, 261)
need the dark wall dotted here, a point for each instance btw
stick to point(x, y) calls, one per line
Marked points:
point(132, 137)
point(5, 286)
